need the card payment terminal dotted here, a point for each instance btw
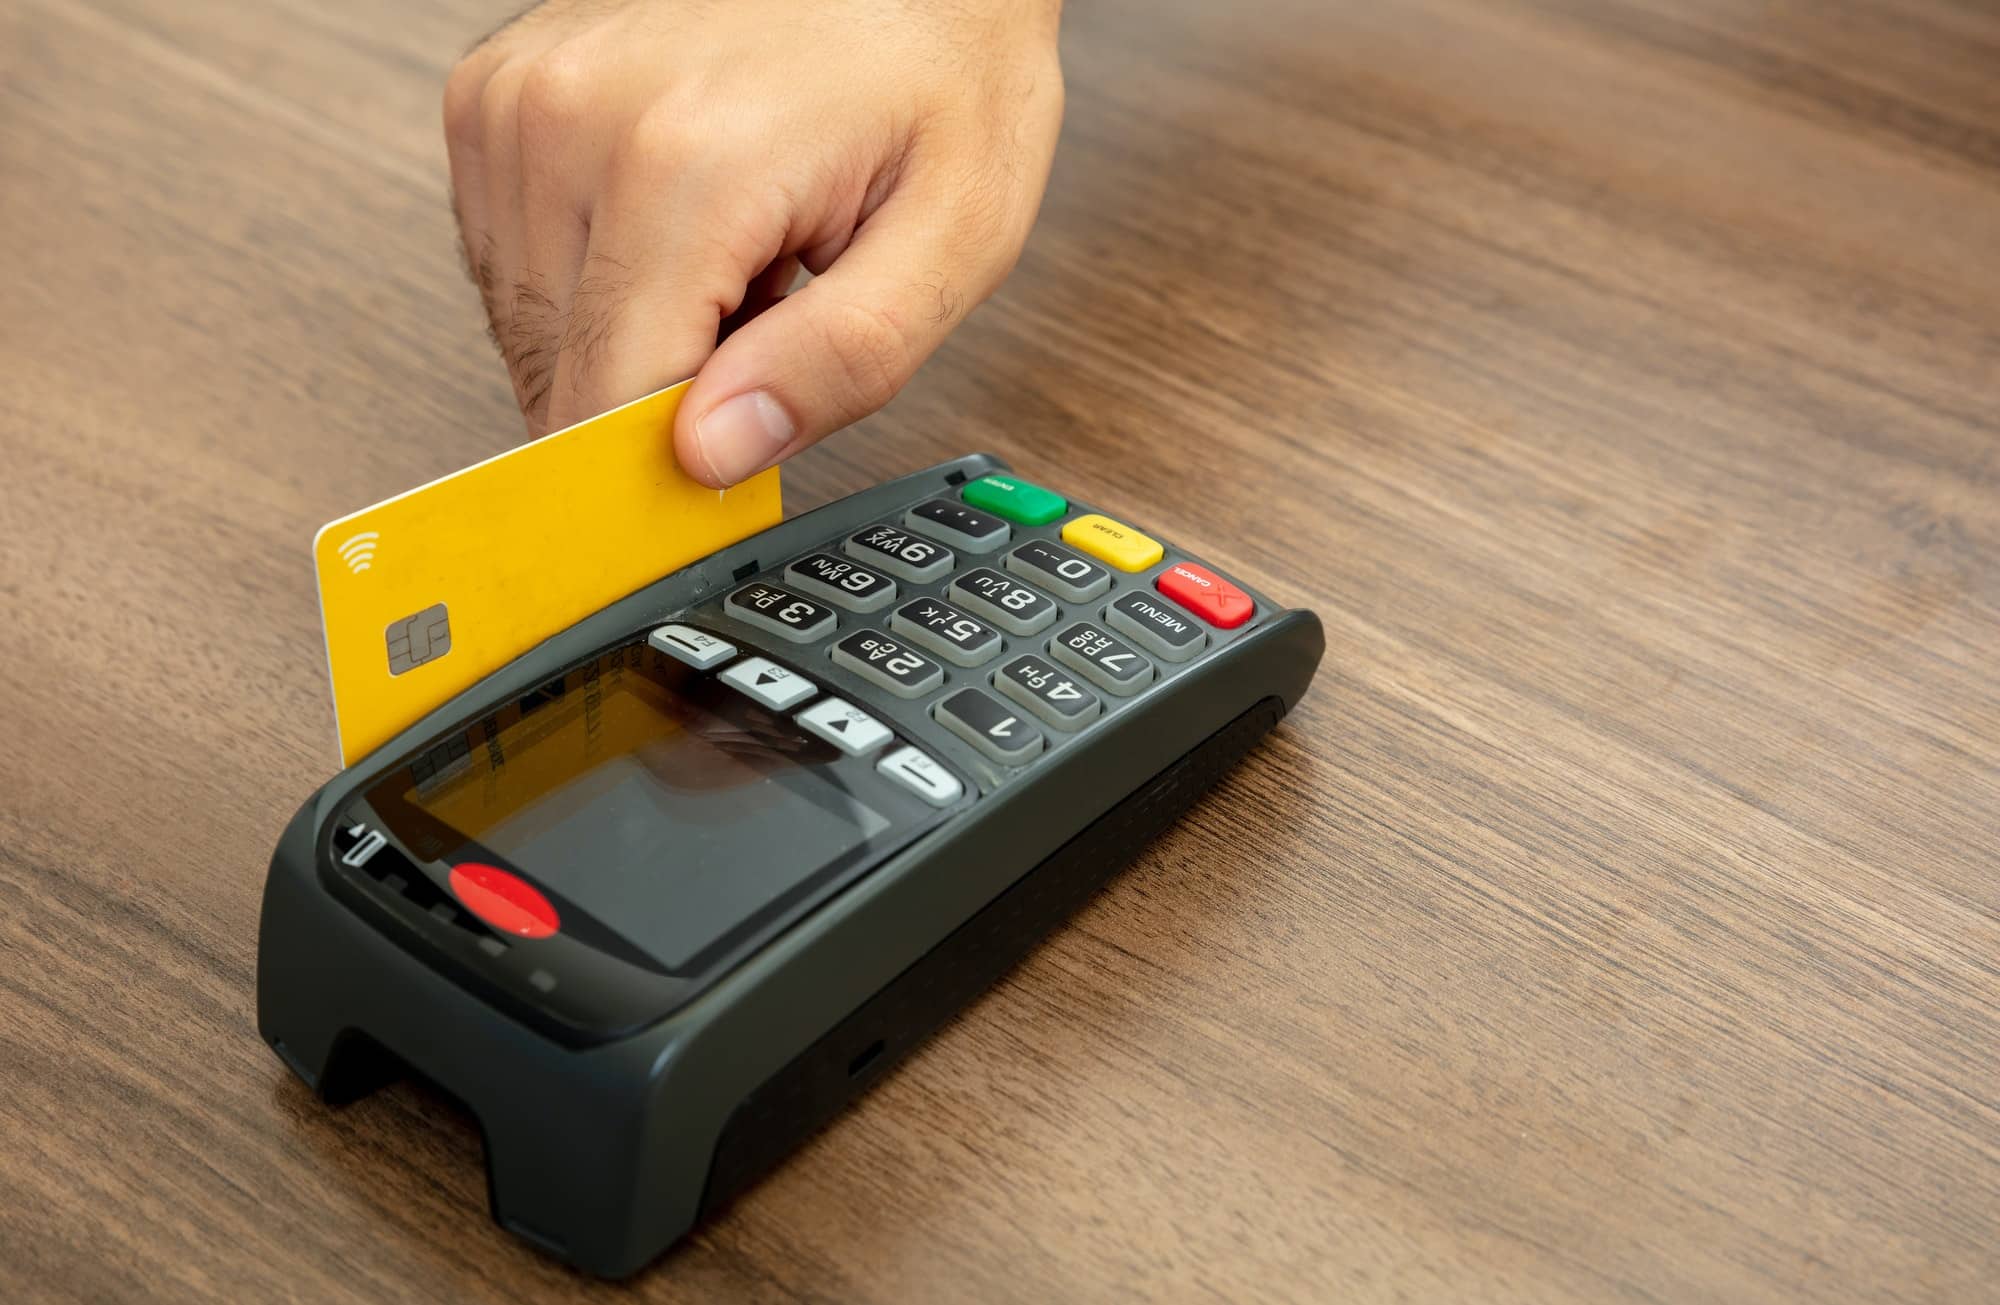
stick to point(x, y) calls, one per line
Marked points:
point(659, 898)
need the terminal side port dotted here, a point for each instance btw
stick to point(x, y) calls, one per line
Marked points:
point(869, 1055)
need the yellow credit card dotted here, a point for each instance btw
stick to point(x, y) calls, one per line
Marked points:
point(425, 593)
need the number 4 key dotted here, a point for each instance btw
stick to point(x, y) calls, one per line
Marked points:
point(1048, 691)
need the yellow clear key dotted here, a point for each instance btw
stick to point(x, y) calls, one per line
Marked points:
point(1113, 542)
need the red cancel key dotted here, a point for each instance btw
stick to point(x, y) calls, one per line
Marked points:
point(1206, 594)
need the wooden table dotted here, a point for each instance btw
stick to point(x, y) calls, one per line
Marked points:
point(1617, 918)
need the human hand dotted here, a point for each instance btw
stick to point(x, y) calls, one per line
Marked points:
point(634, 178)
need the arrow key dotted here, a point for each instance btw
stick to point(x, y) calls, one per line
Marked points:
point(845, 726)
point(769, 683)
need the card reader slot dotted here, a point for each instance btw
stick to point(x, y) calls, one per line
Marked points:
point(791, 1105)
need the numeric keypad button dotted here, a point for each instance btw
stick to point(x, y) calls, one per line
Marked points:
point(1006, 602)
point(996, 728)
point(946, 631)
point(782, 612)
point(1105, 660)
point(899, 552)
point(959, 525)
point(838, 580)
point(1155, 625)
point(1054, 567)
point(888, 663)
point(1051, 692)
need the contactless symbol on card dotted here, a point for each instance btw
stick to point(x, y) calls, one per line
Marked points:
point(358, 550)
point(419, 638)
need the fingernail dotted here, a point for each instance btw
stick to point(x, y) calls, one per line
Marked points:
point(740, 437)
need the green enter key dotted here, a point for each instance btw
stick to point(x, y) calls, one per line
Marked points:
point(1016, 500)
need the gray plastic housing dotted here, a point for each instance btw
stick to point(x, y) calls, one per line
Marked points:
point(606, 1154)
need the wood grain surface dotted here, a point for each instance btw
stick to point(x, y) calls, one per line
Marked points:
point(1618, 917)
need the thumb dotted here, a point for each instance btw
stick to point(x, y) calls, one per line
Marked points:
point(839, 348)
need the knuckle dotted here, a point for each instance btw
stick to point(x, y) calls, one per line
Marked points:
point(499, 101)
point(464, 88)
point(555, 92)
point(872, 351)
point(662, 139)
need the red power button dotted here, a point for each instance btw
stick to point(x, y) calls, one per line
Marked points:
point(1206, 594)
point(505, 901)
